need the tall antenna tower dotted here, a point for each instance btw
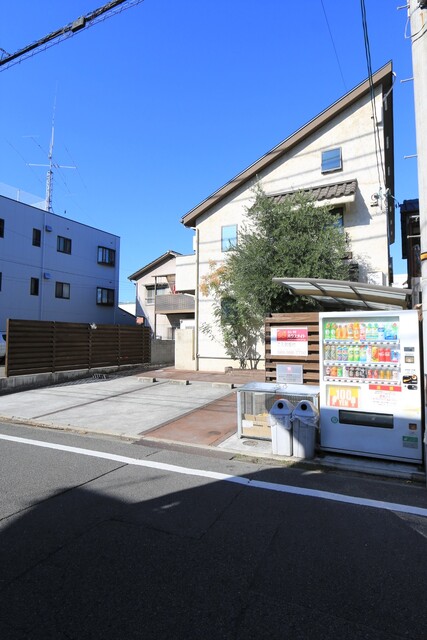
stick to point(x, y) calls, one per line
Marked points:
point(52, 165)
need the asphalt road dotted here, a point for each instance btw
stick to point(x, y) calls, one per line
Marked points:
point(117, 540)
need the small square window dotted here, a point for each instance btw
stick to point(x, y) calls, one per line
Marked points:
point(63, 245)
point(37, 237)
point(105, 296)
point(62, 290)
point(34, 287)
point(1, 228)
point(228, 237)
point(331, 160)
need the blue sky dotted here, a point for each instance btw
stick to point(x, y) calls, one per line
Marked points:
point(163, 103)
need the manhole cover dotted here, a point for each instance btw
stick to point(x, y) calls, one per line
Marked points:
point(250, 443)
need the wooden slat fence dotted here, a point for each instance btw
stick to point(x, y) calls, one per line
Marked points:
point(48, 347)
point(310, 363)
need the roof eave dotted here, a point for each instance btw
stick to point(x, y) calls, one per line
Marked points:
point(383, 75)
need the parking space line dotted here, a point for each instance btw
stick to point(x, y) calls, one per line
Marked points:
point(214, 475)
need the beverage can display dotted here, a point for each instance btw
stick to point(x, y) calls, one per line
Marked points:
point(350, 331)
point(382, 374)
point(395, 375)
point(344, 335)
point(334, 371)
point(333, 330)
point(327, 352)
point(387, 355)
point(351, 372)
point(381, 355)
point(388, 374)
point(363, 353)
point(375, 373)
point(339, 371)
point(394, 355)
point(345, 353)
point(350, 353)
point(356, 353)
point(333, 352)
point(370, 374)
point(339, 353)
point(381, 331)
point(362, 329)
point(328, 371)
point(374, 354)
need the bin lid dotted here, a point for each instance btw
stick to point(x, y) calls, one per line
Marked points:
point(275, 387)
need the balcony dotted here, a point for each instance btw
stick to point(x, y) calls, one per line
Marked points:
point(174, 303)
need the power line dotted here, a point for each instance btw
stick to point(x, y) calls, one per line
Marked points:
point(378, 156)
point(333, 44)
point(55, 37)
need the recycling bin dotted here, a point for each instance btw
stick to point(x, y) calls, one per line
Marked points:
point(305, 421)
point(280, 421)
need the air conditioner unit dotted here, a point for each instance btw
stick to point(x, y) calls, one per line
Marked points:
point(47, 276)
point(48, 227)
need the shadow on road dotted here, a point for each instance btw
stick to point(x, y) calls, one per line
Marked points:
point(215, 561)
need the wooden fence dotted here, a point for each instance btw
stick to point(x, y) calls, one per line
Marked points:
point(43, 346)
point(310, 363)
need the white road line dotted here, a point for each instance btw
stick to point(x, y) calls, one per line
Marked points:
point(213, 475)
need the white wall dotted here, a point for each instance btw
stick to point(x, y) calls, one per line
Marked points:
point(20, 261)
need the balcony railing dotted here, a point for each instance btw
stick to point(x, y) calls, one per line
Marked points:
point(174, 303)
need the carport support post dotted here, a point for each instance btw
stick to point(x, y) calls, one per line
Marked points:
point(418, 17)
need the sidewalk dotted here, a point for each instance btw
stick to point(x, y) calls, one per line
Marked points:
point(215, 425)
point(169, 407)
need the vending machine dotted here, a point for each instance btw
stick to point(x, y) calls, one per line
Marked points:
point(370, 384)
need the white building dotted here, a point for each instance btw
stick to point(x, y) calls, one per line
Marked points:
point(52, 268)
point(344, 159)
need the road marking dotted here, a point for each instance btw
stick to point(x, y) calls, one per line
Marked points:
point(214, 475)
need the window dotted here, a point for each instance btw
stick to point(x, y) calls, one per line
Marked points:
point(37, 237)
point(105, 296)
point(1, 228)
point(63, 245)
point(338, 214)
point(149, 298)
point(331, 160)
point(62, 290)
point(34, 287)
point(228, 237)
point(106, 256)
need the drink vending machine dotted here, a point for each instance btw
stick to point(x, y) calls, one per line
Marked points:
point(370, 384)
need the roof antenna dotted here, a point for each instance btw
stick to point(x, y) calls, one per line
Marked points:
point(52, 165)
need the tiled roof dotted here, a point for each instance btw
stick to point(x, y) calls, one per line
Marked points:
point(323, 192)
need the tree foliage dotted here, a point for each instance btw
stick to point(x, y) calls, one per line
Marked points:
point(290, 238)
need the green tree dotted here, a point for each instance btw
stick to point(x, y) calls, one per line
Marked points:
point(292, 238)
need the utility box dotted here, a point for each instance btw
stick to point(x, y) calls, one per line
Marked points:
point(281, 427)
point(305, 420)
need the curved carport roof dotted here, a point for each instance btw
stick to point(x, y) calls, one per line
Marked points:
point(342, 295)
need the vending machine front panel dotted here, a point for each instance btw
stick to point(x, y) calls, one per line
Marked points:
point(370, 386)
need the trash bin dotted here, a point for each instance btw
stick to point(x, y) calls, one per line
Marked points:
point(281, 427)
point(305, 421)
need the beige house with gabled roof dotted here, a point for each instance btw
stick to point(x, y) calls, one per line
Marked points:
point(158, 303)
point(344, 158)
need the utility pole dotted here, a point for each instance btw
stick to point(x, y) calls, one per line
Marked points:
point(418, 20)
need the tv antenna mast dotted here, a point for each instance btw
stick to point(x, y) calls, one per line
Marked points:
point(51, 166)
